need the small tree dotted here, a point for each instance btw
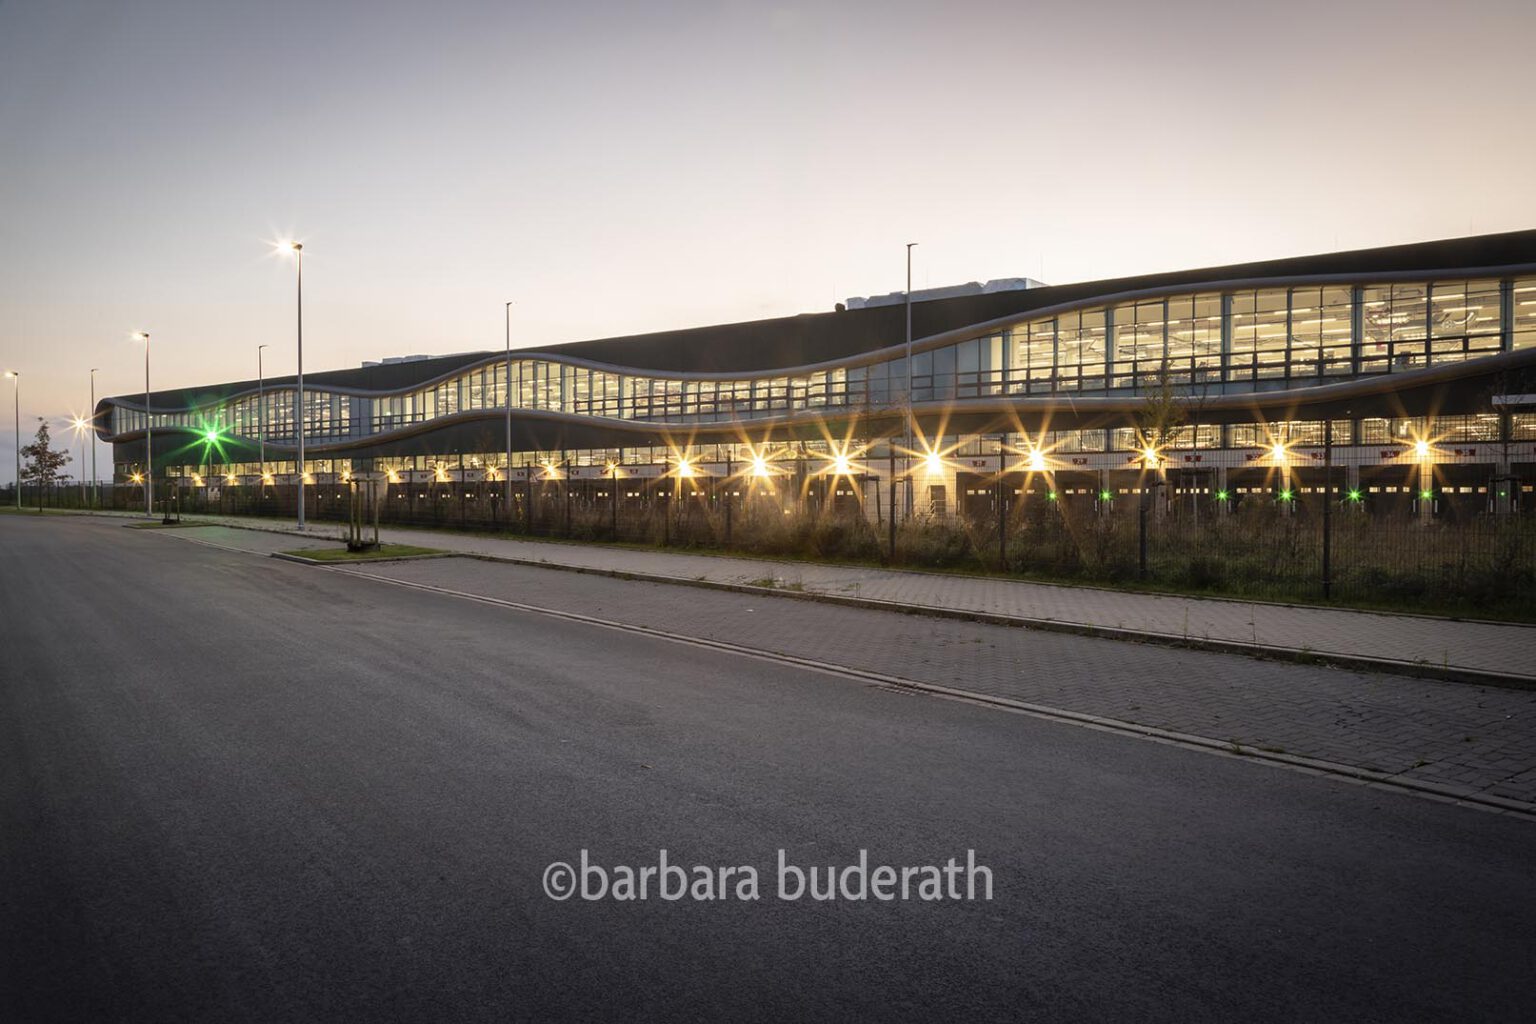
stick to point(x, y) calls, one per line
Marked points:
point(1162, 412)
point(43, 461)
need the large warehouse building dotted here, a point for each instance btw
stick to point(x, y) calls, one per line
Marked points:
point(1412, 369)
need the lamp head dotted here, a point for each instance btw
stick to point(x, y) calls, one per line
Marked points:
point(140, 335)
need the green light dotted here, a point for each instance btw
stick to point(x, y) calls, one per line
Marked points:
point(1105, 495)
point(1285, 496)
point(1426, 495)
point(1355, 496)
point(1050, 496)
point(212, 437)
point(1222, 495)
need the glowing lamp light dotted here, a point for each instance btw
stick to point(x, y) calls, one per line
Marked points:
point(230, 478)
point(840, 464)
point(1105, 495)
point(1286, 496)
point(266, 478)
point(197, 481)
point(1277, 452)
point(1222, 495)
point(1355, 495)
point(684, 467)
point(1036, 460)
point(1421, 448)
point(759, 466)
point(1426, 495)
point(393, 476)
point(1050, 495)
point(1150, 454)
point(137, 478)
point(934, 463)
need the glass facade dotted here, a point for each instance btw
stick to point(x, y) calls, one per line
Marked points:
point(1221, 341)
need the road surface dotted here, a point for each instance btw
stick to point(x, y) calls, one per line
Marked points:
point(234, 788)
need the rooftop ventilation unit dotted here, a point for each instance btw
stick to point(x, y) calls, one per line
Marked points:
point(954, 291)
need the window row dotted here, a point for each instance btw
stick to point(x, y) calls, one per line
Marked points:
point(1302, 334)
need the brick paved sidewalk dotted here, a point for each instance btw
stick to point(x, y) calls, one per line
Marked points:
point(1408, 643)
point(1451, 739)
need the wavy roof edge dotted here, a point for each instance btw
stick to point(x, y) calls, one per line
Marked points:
point(755, 346)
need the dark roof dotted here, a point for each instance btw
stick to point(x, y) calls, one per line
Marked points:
point(812, 338)
point(787, 342)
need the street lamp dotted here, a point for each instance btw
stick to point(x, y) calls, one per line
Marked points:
point(149, 434)
point(911, 419)
point(508, 488)
point(261, 419)
point(298, 414)
point(16, 386)
point(95, 480)
point(80, 425)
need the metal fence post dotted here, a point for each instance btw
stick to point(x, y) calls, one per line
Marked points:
point(1327, 508)
point(1141, 515)
point(1002, 521)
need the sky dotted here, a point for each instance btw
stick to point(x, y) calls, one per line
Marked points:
point(615, 168)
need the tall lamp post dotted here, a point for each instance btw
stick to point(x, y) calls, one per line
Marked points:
point(298, 398)
point(261, 421)
point(16, 387)
point(911, 424)
point(79, 424)
point(149, 434)
point(95, 479)
point(508, 487)
point(298, 412)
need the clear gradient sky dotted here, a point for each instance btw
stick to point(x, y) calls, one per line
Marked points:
point(616, 168)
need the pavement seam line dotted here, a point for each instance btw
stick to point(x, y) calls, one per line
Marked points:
point(1203, 744)
point(1269, 652)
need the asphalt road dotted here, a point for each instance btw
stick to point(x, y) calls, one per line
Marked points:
point(233, 788)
